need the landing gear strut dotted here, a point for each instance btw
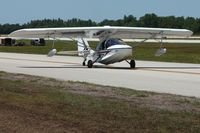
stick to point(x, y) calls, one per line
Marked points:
point(84, 63)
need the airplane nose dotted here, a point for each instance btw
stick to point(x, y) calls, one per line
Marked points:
point(121, 51)
point(125, 52)
point(117, 53)
point(128, 50)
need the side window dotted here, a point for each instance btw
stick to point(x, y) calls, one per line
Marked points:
point(101, 46)
point(108, 43)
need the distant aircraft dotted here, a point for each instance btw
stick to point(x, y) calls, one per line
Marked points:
point(111, 48)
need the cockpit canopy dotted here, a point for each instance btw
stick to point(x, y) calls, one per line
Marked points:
point(108, 43)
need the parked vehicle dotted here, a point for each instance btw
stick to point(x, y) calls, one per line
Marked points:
point(38, 42)
point(7, 41)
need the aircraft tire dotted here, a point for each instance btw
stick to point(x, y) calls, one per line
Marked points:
point(132, 64)
point(90, 64)
point(84, 63)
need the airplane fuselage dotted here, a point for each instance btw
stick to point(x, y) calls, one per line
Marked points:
point(116, 53)
point(111, 51)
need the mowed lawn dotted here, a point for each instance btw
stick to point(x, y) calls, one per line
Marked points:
point(31, 104)
point(184, 53)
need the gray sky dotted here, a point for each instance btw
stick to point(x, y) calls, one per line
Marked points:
point(21, 11)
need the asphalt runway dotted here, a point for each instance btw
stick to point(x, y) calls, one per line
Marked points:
point(173, 78)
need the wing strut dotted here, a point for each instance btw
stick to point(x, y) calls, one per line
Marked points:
point(151, 37)
point(54, 38)
point(161, 50)
point(53, 51)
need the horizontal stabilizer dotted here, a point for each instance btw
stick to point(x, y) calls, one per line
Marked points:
point(82, 45)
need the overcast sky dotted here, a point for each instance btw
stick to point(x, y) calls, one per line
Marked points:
point(22, 11)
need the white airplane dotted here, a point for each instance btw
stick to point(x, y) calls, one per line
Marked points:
point(111, 48)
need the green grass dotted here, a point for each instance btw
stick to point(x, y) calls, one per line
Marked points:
point(60, 45)
point(185, 53)
point(89, 113)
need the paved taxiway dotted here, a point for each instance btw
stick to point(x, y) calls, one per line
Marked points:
point(174, 78)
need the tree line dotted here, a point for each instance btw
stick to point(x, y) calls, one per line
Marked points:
point(148, 20)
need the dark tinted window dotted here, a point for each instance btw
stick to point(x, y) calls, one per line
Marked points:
point(108, 43)
point(112, 42)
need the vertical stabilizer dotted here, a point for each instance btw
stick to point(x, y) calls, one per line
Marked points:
point(82, 46)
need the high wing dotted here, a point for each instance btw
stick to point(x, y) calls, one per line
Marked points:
point(100, 32)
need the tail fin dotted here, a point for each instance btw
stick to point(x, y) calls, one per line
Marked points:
point(82, 46)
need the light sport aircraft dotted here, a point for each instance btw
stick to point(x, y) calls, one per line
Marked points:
point(111, 48)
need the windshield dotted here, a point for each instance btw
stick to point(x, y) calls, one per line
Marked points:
point(112, 42)
point(108, 43)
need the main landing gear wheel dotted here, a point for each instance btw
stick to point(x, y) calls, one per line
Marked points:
point(132, 64)
point(90, 64)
